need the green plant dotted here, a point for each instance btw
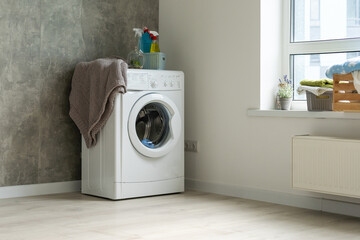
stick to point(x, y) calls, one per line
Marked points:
point(285, 87)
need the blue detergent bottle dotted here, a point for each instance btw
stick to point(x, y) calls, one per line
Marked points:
point(145, 42)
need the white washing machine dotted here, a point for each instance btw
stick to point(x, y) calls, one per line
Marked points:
point(140, 150)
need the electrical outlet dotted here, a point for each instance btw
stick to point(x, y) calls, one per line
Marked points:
point(191, 146)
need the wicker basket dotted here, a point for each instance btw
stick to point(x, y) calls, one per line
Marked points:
point(323, 102)
point(345, 99)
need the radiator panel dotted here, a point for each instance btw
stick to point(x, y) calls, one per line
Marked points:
point(326, 165)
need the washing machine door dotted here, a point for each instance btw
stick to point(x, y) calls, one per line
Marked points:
point(154, 125)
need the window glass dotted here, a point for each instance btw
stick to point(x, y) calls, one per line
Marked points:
point(152, 125)
point(315, 20)
point(313, 67)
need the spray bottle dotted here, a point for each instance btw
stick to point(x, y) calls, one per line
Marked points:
point(136, 57)
point(154, 44)
point(145, 42)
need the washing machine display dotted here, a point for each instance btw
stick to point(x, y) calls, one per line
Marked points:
point(152, 125)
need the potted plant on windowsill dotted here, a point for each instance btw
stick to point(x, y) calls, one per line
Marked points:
point(285, 92)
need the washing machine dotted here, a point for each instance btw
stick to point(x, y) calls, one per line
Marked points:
point(140, 150)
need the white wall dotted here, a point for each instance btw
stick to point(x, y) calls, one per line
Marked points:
point(217, 45)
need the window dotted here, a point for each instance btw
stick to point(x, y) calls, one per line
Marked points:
point(322, 33)
point(305, 67)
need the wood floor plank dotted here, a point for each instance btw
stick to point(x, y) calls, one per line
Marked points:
point(188, 216)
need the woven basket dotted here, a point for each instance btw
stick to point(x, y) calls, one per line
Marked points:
point(323, 102)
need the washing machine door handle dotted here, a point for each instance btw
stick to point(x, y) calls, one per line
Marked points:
point(175, 126)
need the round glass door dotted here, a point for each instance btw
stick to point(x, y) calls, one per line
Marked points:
point(154, 125)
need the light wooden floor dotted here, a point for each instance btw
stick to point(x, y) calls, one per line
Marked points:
point(188, 216)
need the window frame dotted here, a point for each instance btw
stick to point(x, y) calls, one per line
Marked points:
point(292, 48)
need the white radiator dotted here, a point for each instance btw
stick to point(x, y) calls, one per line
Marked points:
point(326, 165)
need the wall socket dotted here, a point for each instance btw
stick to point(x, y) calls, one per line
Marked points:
point(191, 146)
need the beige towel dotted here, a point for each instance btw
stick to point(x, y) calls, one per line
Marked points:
point(93, 90)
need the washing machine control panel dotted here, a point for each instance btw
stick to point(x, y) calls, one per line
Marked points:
point(155, 80)
point(165, 81)
point(137, 80)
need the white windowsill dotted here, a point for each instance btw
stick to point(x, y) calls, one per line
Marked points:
point(302, 114)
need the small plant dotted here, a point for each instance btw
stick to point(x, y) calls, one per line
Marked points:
point(285, 87)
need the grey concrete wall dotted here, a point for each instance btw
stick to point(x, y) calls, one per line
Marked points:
point(40, 43)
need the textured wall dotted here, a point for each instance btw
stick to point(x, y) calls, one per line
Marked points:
point(40, 43)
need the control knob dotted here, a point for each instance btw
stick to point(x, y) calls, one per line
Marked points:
point(153, 84)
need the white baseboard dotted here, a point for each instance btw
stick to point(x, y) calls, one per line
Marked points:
point(39, 189)
point(314, 203)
